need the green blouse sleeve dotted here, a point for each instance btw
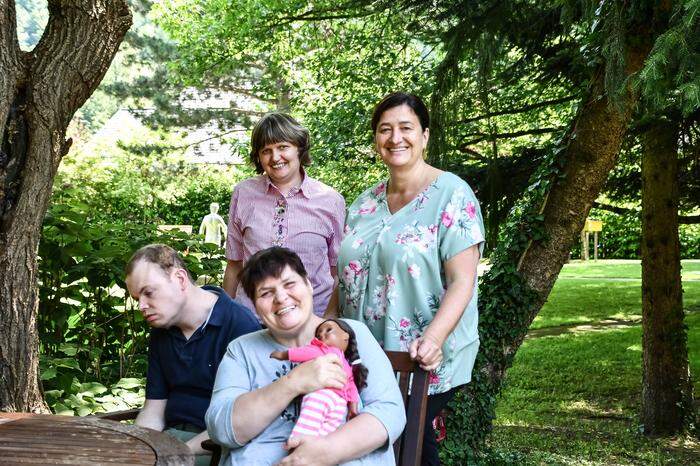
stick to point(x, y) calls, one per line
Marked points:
point(461, 225)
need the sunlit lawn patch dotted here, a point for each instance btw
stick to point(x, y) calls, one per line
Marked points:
point(573, 397)
point(620, 269)
point(579, 298)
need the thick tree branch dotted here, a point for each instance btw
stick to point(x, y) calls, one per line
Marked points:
point(88, 33)
point(477, 155)
point(689, 219)
point(513, 111)
point(514, 134)
point(592, 147)
point(9, 61)
point(615, 209)
point(682, 219)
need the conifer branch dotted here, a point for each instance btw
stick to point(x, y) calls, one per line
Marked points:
point(514, 134)
point(513, 111)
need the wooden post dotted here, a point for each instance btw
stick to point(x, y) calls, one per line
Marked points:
point(591, 225)
point(595, 245)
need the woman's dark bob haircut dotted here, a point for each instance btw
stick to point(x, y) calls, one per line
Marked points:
point(268, 263)
point(396, 99)
point(279, 127)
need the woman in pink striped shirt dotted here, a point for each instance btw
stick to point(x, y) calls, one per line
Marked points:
point(283, 206)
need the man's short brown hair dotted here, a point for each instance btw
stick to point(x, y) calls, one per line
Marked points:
point(162, 255)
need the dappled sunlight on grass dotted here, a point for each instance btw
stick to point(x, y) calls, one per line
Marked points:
point(551, 372)
point(544, 445)
point(626, 315)
point(589, 410)
point(588, 300)
point(573, 397)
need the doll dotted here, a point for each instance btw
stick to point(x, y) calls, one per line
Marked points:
point(323, 411)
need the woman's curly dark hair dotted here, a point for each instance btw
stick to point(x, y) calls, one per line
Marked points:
point(359, 371)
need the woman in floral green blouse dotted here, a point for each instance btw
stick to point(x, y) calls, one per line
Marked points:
point(408, 259)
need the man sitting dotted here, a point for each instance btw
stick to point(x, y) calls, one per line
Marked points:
point(191, 328)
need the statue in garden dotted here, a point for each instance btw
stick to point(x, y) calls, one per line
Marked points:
point(213, 226)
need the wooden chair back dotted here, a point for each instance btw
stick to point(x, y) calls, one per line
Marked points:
point(413, 383)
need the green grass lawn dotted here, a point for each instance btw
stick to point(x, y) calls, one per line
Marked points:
point(573, 397)
point(621, 269)
point(587, 293)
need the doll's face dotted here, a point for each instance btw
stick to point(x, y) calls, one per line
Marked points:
point(331, 334)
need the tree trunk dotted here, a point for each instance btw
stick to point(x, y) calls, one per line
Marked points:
point(591, 152)
point(524, 270)
point(666, 387)
point(41, 90)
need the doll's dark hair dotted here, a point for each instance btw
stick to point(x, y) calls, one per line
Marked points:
point(359, 371)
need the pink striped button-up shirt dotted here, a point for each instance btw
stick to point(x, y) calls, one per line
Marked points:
point(308, 220)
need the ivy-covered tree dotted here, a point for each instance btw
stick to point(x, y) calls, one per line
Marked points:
point(39, 93)
point(666, 387)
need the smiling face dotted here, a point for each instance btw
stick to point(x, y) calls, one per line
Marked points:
point(400, 140)
point(285, 303)
point(331, 334)
point(160, 294)
point(280, 161)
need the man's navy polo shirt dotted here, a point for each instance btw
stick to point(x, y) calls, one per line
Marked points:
point(183, 371)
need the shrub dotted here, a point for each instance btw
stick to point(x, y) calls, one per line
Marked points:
point(88, 327)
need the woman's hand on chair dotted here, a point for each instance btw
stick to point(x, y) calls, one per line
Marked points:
point(426, 351)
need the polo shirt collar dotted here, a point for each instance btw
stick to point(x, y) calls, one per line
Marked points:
point(216, 316)
point(306, 188)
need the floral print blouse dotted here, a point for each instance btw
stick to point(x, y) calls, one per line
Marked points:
point(391, 269)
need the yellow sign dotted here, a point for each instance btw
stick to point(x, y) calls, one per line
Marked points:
point(593, 225)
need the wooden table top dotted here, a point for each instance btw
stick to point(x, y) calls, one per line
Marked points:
point(44, 439)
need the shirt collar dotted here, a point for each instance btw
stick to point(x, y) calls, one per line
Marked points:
point(306, 188)
point(216, 316)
